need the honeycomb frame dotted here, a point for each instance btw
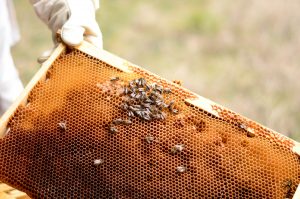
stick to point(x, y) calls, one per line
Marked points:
point(217, 111)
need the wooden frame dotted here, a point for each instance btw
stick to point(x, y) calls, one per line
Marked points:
point(124, 66)
point(8, 192)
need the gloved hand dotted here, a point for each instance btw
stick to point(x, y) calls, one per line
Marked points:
point(75, 18)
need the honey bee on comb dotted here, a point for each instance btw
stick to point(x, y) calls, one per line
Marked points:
point(113, 129)
point(288, 186)
point(114, 79)
point(177, 148)
point(62, 126)
point(149, 139)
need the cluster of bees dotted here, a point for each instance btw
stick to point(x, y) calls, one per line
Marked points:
point(144, 101)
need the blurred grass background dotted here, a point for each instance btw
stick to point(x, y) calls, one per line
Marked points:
point(242, 54)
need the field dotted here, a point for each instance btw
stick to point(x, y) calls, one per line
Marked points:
point(243, 54)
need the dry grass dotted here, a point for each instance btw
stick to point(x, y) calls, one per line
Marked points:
point(242, 54)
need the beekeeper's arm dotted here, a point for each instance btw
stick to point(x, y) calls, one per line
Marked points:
point(75, 18)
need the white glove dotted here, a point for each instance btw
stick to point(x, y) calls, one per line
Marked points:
point(75, 18)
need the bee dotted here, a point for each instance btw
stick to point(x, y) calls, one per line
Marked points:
point(175, 111)
point(133, 95)
point(138, 96)
point(118, 121)
point(181, 169)
point(131, 84)
point(143, 95)
point(180, 121)
point(171, 104)
point(146, 116)
point(146, 105)
point(124, 106)
point(114, 79)
point(131, 101)
point(139, 113)
point(167, 90)
point(148, 110)
point(141, 82)
point(148, 87)
point(137, 106)
point(250, 133)
point(149, 139)
point(243, 126)
point(177, 148)
point(144, 81)
point(164, 105)
point(126, 91)
point(148, 101)
point(158, 95)
point(162, 116)
point(156, 116)
point(127, 122)
point(98, 162)
point(113, 130)
point(152, 98)
point(159, 89)
point(153, 86)
point(62, 126)
point(136, 81)
point(288, 185)
point(159, 102)
point(133, 109)
point(172, 109)
point(141, 89)
point(130, 114)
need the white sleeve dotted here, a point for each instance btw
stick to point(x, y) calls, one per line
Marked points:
point(96, 4)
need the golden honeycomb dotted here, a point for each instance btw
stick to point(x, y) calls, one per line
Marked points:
point(62, 143)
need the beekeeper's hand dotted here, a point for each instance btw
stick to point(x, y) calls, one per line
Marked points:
point(75, 18)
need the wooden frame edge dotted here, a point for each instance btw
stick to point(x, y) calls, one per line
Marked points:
point(105, 56)
point(296, 149)
point(8, 192)
point(297, 193)
point(22, 99)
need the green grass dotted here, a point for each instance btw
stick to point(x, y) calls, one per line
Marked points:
point(241, 54)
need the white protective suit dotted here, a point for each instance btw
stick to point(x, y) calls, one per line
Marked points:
point(75, 18)
point(10, 84)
